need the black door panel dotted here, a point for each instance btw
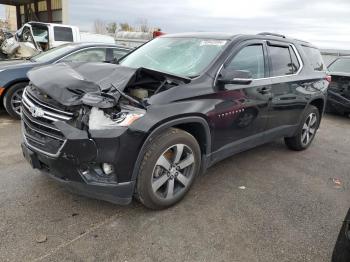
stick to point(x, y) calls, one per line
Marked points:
point(243, 109)
point(241, 113)
point(288, 101)
point(288, 98)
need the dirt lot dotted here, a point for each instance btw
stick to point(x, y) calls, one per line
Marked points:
point(290, 209)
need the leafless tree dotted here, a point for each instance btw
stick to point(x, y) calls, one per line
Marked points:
point(126, 27)
point(100, 27)
point(112, 27)
point(143, 23)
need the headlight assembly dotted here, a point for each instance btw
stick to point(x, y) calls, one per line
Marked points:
point(98, 120)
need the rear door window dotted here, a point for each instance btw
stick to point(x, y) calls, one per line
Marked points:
point(87, 55)
point(281, 61)
point(315, 58)
point(64, 34)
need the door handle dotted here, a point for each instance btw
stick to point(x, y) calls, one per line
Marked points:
point(264, 90)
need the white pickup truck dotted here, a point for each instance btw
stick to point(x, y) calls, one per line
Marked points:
point(35, 37)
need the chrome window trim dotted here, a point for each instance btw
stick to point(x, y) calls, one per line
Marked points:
point(301, 66)
point(242, 79)
point(87, 48)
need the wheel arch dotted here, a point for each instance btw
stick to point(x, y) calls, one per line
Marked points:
point(319, 103)
point(195, 125)
point(11, 84)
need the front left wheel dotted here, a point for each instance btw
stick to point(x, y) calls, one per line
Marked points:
point(169, 166)
point(13, 99)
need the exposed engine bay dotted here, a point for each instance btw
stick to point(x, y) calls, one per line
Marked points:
point(102, 96)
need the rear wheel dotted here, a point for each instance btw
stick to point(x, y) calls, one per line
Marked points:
point(168, 169)
point(13, 99)
point(306, 131)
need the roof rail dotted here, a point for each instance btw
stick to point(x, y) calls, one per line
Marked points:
point(272, 34)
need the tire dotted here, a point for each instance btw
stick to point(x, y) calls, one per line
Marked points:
point(163, 180)
point(12, 98)
point(306, 130)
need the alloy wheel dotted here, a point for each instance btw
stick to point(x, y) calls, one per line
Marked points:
point(16, 101)
point(173, 171)
point(309, 129)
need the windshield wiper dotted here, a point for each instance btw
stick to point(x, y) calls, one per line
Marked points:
point(194, 76)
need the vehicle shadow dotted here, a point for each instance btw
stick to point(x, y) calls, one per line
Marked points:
point(4, 115)
point(341, 252)
point(336, 115)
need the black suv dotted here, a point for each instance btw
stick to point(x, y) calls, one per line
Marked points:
point(145, 128)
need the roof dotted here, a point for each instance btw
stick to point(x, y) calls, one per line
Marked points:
point(47, 24)
point(212, 35)
point(230, 36)
point(92, 44)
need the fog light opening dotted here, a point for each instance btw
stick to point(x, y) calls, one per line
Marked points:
point(107, 168)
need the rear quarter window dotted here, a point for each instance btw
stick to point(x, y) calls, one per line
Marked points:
point(315, 58)
point(63, 34)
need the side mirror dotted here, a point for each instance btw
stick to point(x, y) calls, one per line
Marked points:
point(231, 76)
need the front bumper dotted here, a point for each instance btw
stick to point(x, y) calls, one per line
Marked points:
point(66, 173)
point(120, 194)
point(77, 165)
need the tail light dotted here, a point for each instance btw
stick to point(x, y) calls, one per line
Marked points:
point(328, 78)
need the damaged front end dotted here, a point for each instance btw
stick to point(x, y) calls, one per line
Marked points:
point(338, 98)
point(77, 124)
point(22, 44)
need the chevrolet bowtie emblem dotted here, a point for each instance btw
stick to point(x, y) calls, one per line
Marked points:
point(36, 111)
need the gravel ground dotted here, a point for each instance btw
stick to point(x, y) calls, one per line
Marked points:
point(266, 204)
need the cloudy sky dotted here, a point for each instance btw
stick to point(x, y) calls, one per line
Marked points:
point(322, 22)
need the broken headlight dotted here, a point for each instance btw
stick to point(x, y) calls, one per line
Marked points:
point(98, 119)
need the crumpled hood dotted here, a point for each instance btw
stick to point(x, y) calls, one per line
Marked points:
point(68, 82)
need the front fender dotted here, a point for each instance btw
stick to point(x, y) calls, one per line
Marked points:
point(157, 129)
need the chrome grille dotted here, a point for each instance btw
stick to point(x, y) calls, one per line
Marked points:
point(39, 132)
